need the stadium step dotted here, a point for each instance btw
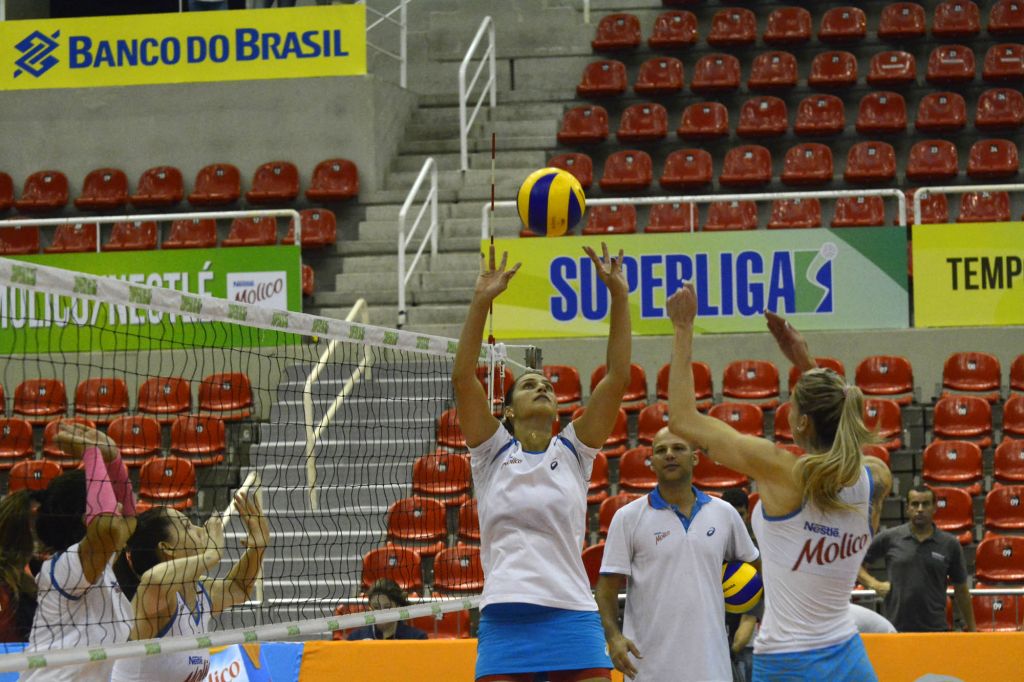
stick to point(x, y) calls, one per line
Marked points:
point(443, 115)
point(383, 212)
point(446, 129)
point(411, 429)
point(364, 247)
point(480, 144)
point(444, 262)
point(334, 492)
point(413, 163)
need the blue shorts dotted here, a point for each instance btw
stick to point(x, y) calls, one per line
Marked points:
point(845, 662)
point(526, 638)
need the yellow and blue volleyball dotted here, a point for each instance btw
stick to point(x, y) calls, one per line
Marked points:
point(551, 202)
point(741, 586)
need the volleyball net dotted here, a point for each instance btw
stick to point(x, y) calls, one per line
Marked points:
point(345, 431)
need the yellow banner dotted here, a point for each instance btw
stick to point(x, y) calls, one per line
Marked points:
point(146, 49)
point(969, 274)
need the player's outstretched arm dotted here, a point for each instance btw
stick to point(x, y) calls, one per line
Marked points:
point(790, 341)
point(238, 585)
point(478, 424)
point(597, 422)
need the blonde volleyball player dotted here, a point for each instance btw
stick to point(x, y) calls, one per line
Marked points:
point(537, 614)
point(161, 571)
point(814, 520)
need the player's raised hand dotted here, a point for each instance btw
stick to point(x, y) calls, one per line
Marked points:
point(682, 306)
point(790, 341)
point(75, 439)
point(619, 650)
point(494, 279)
point(609, 269)
point(215, 534)
point(257, 527)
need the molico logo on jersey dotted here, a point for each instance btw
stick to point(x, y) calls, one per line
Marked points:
point(36, 54)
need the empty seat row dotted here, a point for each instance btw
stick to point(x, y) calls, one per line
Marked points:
point(457, 570)
point(1004, 511)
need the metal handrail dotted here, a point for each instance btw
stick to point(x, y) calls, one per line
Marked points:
point(403, 35)
point(922, 192)
point(359, 310)
point(490, 86)
point(405, 273)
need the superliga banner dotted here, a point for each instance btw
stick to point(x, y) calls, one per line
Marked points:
point(146, 49)
point(823, 279)
point(968, 274)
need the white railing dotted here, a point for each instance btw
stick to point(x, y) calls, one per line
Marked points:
point(403, 34)
point(693, 200)
point(360, 311)
point(406, 233)
point(923, 192)
point(491, 86)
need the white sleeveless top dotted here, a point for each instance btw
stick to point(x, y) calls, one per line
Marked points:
point(810, 561)
point(189, 666)
point(533, 514)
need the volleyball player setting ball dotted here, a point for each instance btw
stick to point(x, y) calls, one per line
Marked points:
point(816, 514)
point(538, 614)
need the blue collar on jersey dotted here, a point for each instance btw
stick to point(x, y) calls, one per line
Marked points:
point(658, 502)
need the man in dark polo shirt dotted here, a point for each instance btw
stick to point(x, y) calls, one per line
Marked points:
point(918, 559)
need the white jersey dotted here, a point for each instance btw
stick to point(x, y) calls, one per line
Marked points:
point(533, 512)
point(72, 613)
point(189, 666)
point(810, 561)
point(674, 592)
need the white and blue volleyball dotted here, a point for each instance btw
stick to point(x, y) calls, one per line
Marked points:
point(741, 586)
point(551, 202)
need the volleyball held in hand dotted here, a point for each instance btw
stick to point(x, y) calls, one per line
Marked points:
point(741, 586)
point(551, 202)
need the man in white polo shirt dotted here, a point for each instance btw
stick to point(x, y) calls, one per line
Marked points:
point(671, 545)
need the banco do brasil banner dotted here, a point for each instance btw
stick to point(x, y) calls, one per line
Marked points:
point(192, 47)
point(822, 279)
point(269, 276)
point(968, 274)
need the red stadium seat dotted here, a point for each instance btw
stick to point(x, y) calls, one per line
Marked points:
point(399, 564)
point(870, 162)
point(773, 71)
point(716, 73)
point(200, 439)
point(6, 192)
point(763, 116)
point(788, 214)
point(442, 475)
point(274, 182)
point(746, 418)
point(615, 32)
point(584, 125)
point(603, 79)
point(19, 240)
point(843, 25)
point(469, 523)
point(892, 69)
point(686, 169)
point(748, 165)
point(889, 376)
point(137, 438)
point(954, 513)
point(635, 473)
point(319, 228)
point(253, 231)
point(565, 379)
point(963, 417)
point(878, 452)
point(972, 373)
point(615, 445)
point(1004, 63)
point(449, 431)
point(609, 507)
point(15, 442)
point(956, 19)
point(227, 395)
point(950, 64)
point(580, 166)
point(218, 184)
point(40, 400)
point(613, 219)
point(941, 112)
point(999, 109)
point(44, 191)
point(1006, 18)
point(597, 488)
point(103, 189)
point(32, 475)
point(754, 380)
point(1008, 463)
point(882, 112)
point(592, 558)
point(809, 163)
point(704, 121)
point(642, 123)
point(901, 21)
point(993, 159)
point(833, 70)
point(636, 391)
point(1013, 416)
point(307, 280)
point(702, 385)
point(731, 215)
point(934, 208)
point(133, 236)
point(984, 207)
point(1000, 559)
point(859, 212)
point(932, 161)
point(334, 180)
point(824, 362)
point(820, 115)
point(673, 30)
point(674, 217)
point(197, 233)
point(710, 474)
point(418, 523)
point(652, 419)
point(997, 612)
point(953, 463)
point(500, 382)
point(102, 399)
point(73, 238)
point(659, 76)
point(167, 481)
point(458, 570)
point(1004, 509)
point(627, 170)
point(883, 416)
point(788, 26)
point(160, 186)
point(165, 398)
point(733, 27)
point(783, 432)
point(1017, 374)
point(451, 625)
